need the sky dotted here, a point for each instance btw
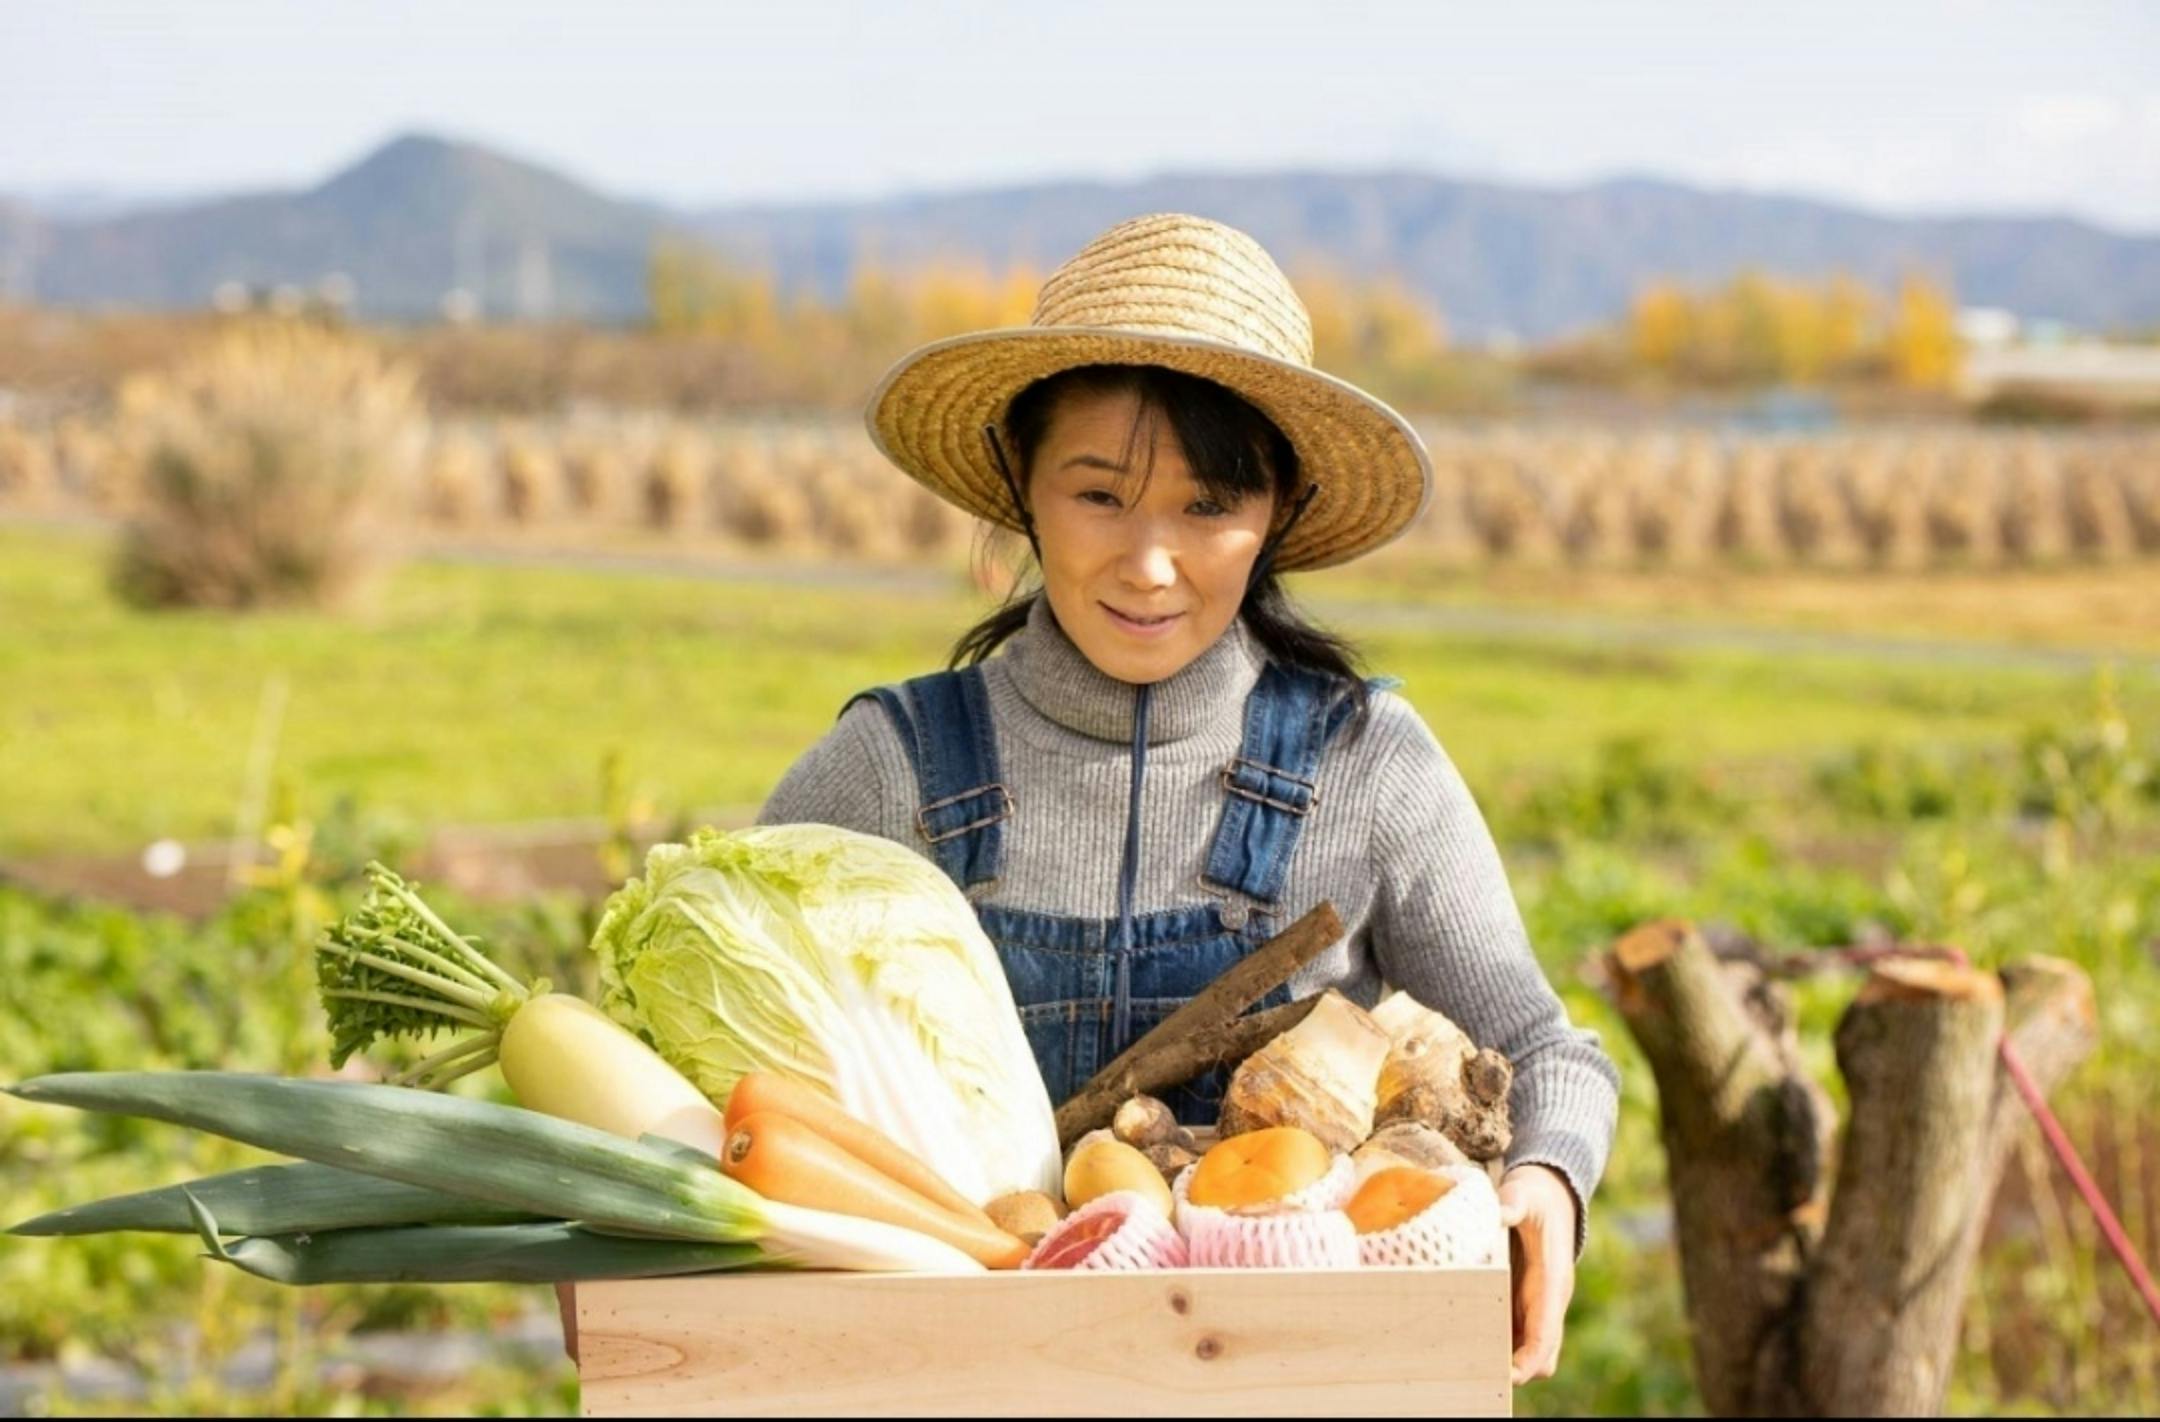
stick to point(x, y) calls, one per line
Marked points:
point(1900, 108)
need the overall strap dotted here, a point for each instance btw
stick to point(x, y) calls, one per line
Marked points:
point(1269, 786)
point(953, 747)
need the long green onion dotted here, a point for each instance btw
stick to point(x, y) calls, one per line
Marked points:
point(503, 1155)
point(276, 1199)
point(452, 1254)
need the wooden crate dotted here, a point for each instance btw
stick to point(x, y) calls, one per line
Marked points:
point(1188, 1342)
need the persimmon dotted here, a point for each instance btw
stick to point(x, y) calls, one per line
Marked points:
point(1394, 1196)
point(1259, 1168)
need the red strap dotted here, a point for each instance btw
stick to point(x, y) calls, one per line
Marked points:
point(2111, 1227)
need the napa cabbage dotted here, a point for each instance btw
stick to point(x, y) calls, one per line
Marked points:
point(845, 961)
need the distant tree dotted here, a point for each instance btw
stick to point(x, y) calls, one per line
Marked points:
point(1661, 327)
point(877, 313)
point(694, 290)
point(1758, 338)
point(1799, 331)
point(954, 297)
point(1923, 342)
point(1849, 315)
point(1757, 328)
point(1378, 333)
point(1714, 354)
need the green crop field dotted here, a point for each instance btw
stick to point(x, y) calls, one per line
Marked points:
point(1805, 793)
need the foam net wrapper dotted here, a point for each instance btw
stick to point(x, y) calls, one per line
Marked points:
point(1462, 1230)
point(1145, 1241)
point(1306, 1230)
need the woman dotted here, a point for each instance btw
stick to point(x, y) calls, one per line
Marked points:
point(1163, 765)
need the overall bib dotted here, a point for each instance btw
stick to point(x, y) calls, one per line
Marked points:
point(1088, 987)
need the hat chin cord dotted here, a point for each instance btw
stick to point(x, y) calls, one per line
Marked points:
point(1027, 520)
point(1260, 566)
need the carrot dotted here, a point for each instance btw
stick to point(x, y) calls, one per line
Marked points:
point(787, 1160)
point(768, 1091)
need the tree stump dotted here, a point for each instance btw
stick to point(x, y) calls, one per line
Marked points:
point(1801, 1304)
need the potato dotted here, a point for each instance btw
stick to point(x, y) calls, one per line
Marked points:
point(1025, 1214)
point(1098, 1167)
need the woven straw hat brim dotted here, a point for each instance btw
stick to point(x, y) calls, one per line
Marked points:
point(927, 416)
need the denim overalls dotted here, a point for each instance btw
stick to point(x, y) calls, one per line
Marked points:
point(1087, 988)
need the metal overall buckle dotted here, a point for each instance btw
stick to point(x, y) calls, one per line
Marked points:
point(1228, 777)
point(1005, 808)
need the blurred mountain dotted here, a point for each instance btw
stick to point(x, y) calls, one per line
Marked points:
point(424, 215)
point(410, 222)
point(83, 204)
point(1499, 260)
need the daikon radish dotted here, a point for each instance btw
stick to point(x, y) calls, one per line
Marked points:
point(563, 1056)
point(393, 968)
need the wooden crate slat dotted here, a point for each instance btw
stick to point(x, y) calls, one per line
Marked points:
point(1371, 1342)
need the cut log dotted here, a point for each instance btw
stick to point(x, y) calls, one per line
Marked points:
point(1902, 1254)
point(2052, 1025)
point(1917, 1048)
point(1745, 1138)
point(1851, 1310)
point(1205, 1032)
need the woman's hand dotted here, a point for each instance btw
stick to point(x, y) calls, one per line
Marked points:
point(1538, 1209)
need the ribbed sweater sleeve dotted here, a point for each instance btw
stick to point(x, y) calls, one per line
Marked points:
point(842, 780)
point(1446, 929)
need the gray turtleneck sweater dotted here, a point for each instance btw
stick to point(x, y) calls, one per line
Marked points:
point(1404, 855)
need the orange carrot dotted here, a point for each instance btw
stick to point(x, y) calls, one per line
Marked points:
point(768, 1091)
point(787, 1160)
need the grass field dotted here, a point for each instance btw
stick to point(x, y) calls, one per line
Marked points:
point(1804, 795)
point(480, 694)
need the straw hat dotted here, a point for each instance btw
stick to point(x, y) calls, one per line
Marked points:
point(1193, 295)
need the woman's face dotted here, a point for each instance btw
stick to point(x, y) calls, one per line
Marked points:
point(1115, 559)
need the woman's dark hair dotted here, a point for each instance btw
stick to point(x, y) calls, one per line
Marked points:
point(1233, 450)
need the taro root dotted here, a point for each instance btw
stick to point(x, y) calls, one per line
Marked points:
point(1434, 1074)
point(1321, 1076)
point(1143, 1121)
point(1407, 1143)
point(1169, 1157)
